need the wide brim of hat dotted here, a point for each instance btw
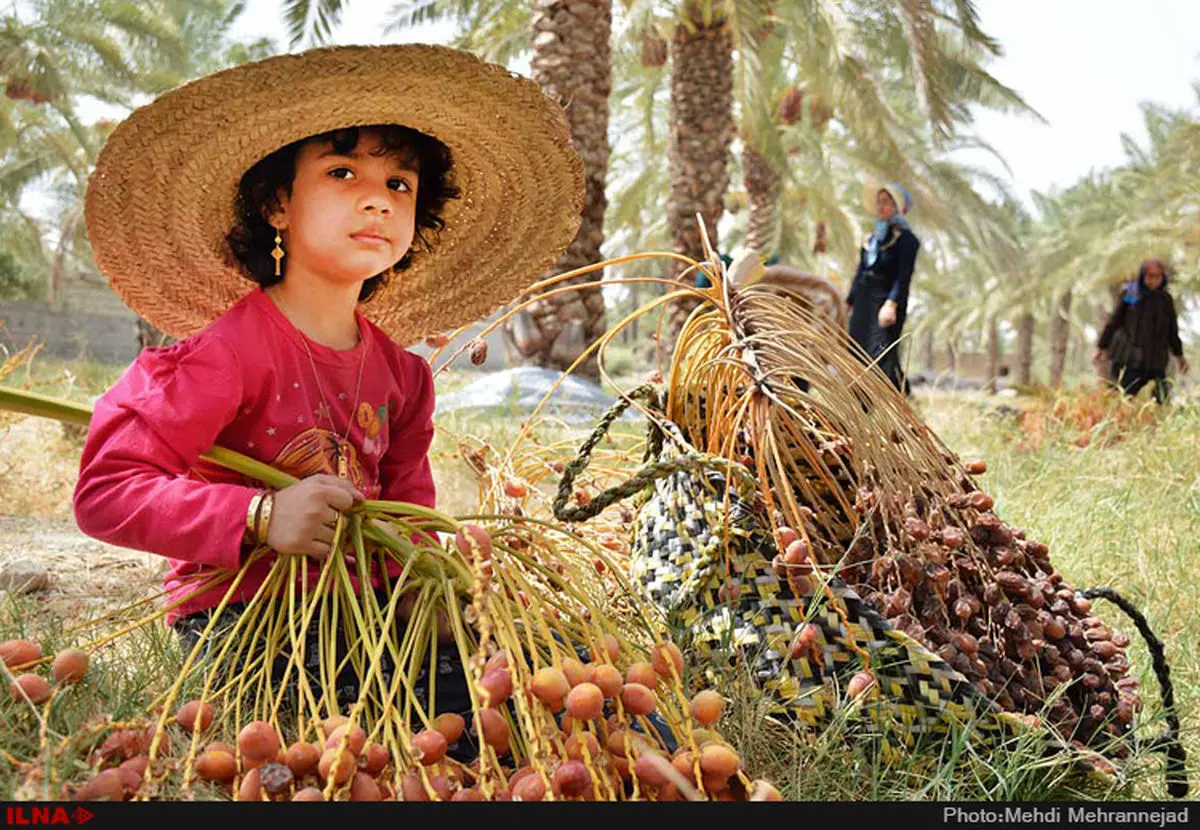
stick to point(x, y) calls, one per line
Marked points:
point(868, 191)
point(161, 200)
point(870, 188)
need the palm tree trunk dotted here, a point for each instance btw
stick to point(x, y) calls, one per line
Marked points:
point(993, 355)
point(951, 357)
point(1025, 348)
point(56, 275)
point(762, 192)
point(928, 355)
point(1060, 328)
point(65, 235)
point(701, 108)
point(1075, 354)
point(572, 64)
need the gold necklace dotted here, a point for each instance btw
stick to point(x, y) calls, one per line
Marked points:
point(343, 467)
point(343, 470)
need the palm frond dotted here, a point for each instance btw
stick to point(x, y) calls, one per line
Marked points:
point(967, 19)
point(312, 19)
point(919, 31)
point(498, 32)
point(112, 56)
point(967, 81)
point(145, 28)
point(413, 13)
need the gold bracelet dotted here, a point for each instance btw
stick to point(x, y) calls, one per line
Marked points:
point(252, 516)
point(258, 520)
point(264, 521)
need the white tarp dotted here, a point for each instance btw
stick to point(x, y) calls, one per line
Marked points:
point(519, 391)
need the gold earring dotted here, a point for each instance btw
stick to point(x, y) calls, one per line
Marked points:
point(278, 252)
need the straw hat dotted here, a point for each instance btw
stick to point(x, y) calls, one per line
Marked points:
point(161, 200)
point(899, 193)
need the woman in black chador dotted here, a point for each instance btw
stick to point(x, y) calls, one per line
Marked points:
point(1142, 333)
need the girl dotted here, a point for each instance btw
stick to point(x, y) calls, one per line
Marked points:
point(878, 296)
point(299, 222)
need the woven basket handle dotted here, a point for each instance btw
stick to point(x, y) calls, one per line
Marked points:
point(1168, 742)
point(688, 459)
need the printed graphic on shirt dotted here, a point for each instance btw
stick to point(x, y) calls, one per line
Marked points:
point(372, 422)
point(315, 451)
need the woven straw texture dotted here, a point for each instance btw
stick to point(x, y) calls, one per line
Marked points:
point(161, 200)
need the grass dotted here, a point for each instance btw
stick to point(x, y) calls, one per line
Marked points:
point(844, 763)
point(122, 676)
point(40, 459)
point(76, 380)
point(1125, 516)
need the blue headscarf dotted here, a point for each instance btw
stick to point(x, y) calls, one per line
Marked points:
point(904, 201)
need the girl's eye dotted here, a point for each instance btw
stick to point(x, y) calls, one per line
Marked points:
point(398, 184)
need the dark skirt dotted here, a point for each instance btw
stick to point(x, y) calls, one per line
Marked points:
point(878, 342)
point(1131, 380)
point(451, 689)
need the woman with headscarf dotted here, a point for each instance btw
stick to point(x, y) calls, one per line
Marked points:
point(878, 296)
point(1142, 332)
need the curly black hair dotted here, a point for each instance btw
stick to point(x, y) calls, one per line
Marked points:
point(252, 237)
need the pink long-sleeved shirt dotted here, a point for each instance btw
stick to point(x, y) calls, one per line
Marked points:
point(246, 383)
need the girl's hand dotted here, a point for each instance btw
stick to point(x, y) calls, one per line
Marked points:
point(305, 514)
point(887, 314)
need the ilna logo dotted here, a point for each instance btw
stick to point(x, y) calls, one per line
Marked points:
point(29, 816)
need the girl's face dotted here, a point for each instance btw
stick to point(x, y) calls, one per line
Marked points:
point(348, 217)
point(884, 205)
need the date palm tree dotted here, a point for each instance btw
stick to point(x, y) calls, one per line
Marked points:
point(119, 53)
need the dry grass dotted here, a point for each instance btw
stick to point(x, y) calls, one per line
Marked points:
point(87, 577)
point(38, 468)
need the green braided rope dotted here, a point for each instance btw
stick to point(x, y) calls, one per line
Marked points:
point(584, 456)
point(693, 462)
